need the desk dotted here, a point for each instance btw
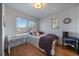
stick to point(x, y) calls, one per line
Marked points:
point(12, 38)
point(73, 41)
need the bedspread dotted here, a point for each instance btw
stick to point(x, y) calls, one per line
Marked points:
point(45, 42)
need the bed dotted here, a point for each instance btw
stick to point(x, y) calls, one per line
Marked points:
point(34, 40)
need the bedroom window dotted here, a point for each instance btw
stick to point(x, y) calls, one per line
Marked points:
point(31, 26)
point(24, 25)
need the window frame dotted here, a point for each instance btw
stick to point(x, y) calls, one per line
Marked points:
point(27, 24)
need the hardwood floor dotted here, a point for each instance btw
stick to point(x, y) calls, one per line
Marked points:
point(25, 50)
point(30, 50)
point(65, 52)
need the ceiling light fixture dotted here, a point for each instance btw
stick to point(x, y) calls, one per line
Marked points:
point(38, 5)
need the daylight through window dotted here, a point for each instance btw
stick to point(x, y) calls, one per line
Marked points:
point(24, 25)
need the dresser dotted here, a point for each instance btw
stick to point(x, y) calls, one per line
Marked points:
point(70, 40)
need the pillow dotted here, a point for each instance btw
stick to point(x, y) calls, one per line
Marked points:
point(37, 33)
point(41, 33)
point(30, 33)
point(34, 33)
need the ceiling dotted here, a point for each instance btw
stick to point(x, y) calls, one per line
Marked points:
point(49, 8)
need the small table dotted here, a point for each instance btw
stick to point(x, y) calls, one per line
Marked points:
point(12, 38)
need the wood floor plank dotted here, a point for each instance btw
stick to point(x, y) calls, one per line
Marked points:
point(30, 50)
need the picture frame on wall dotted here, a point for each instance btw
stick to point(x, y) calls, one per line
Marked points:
point(67, 20)
point(54, 23)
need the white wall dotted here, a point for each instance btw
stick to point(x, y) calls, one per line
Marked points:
point(3, 29)
point(1, 47)
point(10, 20)
point(78, 20)
point(45, 23)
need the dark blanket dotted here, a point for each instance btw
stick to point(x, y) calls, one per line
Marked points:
point(46, 42)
